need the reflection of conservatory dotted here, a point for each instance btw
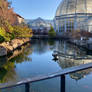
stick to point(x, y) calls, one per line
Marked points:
point(74, 15)
point(72, 56)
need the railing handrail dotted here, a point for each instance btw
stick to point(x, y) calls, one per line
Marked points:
point(49, 76)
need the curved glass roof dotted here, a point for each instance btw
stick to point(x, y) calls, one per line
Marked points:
point(74, 6)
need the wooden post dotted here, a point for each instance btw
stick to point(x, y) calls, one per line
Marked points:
point(62, 80)
point(27, 87)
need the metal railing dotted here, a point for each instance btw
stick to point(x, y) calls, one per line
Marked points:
point(60, 74)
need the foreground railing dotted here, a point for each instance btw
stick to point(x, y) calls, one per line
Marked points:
point(60, 74)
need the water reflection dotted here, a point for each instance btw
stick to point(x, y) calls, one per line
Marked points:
point(43, 46)
point(36, 59)
point(81, 74)
point(71, 56)
point(8, 64)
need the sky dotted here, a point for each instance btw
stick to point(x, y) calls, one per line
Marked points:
point(32, 9)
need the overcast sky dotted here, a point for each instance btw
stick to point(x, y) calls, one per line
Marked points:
point(31, 9)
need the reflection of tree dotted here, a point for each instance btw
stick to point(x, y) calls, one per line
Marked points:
point(7, 65)
point(51, 42)
point(7, 73)
point(2, 74)
point(23, 54)
point(40, 46)
point(3, 61)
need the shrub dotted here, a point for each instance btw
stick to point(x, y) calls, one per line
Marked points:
point(1, 39)
point(22, 32)
point(9, 32)
point(6, 35)
point(12, 36)
point(2, 31)
point(9, 27)
point(52, 32)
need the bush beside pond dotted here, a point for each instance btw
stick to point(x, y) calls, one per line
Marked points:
point(52, 32)
point(22, 32)
point(16, 32)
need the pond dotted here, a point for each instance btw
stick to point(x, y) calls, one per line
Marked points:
point(36, 59)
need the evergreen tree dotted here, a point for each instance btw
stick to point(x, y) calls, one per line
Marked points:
point(52, 32)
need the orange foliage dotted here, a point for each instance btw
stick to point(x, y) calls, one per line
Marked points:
point(7, 13)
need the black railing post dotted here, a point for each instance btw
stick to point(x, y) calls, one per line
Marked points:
point(27, 87)
point(62, 81)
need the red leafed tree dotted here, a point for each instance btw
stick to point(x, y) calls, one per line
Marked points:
point(7, 15)
point(6, 12)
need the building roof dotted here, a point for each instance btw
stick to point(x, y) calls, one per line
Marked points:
point(19, 15)
point(74, 6)
point(39, 23)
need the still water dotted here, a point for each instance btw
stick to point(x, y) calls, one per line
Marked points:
point(36, 59)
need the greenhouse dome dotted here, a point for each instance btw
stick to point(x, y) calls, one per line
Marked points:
point(74, 15)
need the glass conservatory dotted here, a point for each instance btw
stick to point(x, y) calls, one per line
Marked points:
point(74, 15)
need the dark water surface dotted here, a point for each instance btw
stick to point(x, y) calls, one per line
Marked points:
point(36, 59)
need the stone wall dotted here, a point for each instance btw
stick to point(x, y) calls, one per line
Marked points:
point(7, 47)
